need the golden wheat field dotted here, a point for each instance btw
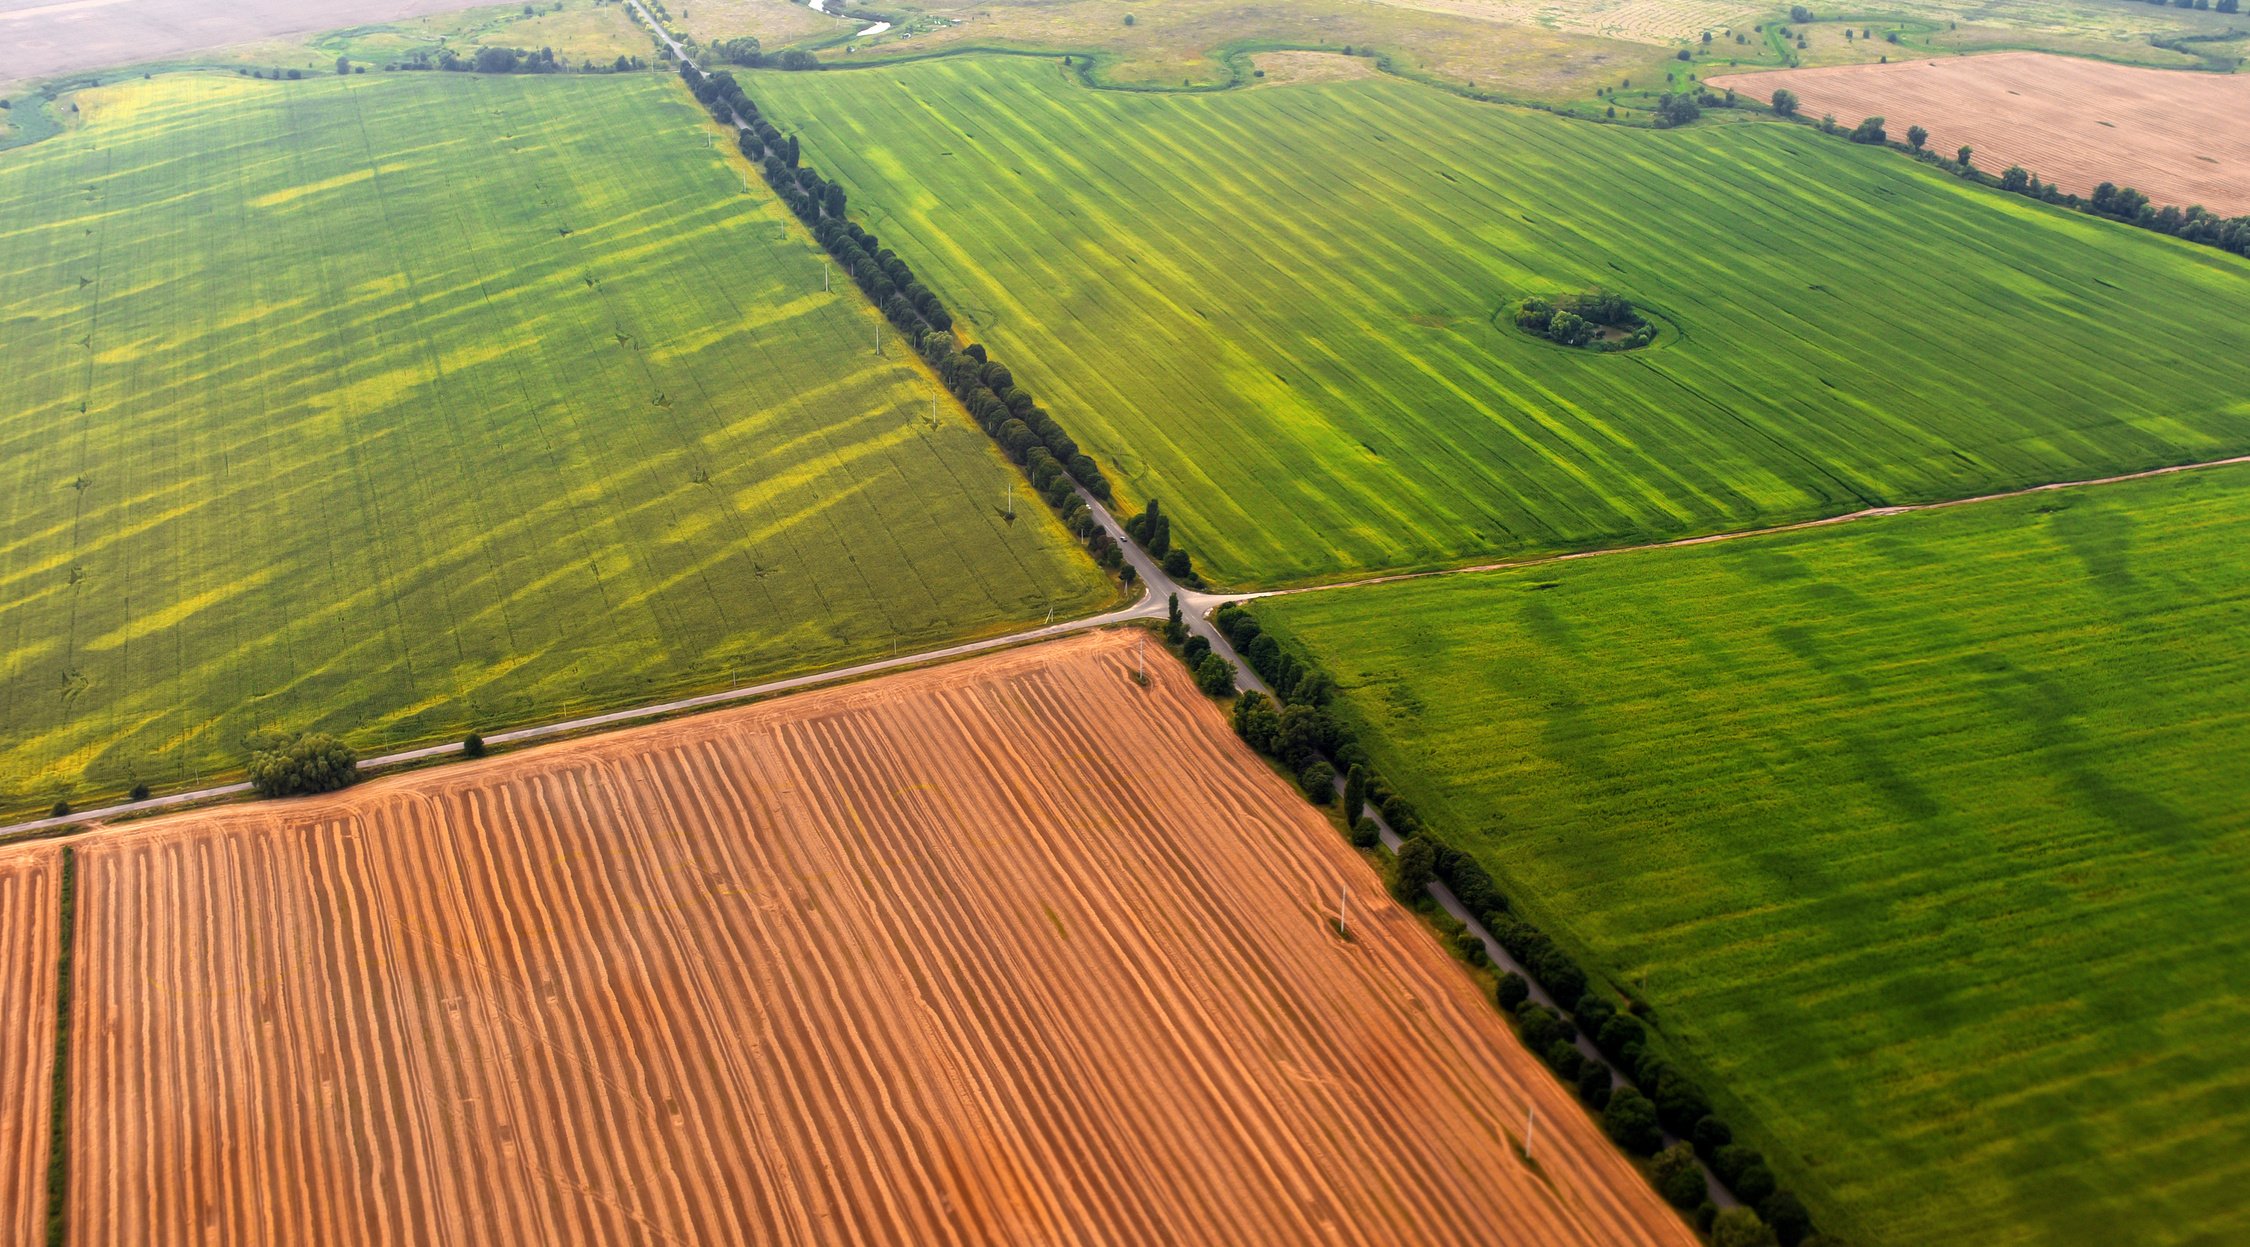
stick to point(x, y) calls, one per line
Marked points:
point(1010, 950)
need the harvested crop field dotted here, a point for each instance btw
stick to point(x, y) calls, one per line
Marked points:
point(2171, 134)
point(1009, 950)
point(30, 896)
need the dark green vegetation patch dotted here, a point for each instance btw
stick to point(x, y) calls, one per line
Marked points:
point(1923, 836)
point(1274, 310)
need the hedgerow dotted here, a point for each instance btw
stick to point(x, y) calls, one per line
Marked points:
point(1663, 1104)
point(1008, 413)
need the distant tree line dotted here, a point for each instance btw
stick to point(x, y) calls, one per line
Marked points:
point(2118, 203)
point(497, 60)
point(1006, 411)
point(1305, 735)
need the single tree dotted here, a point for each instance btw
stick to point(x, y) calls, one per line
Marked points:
point(1630, 1121)
point(1214, 675)
point(139, 791)
point(473, 746)
point(1785, 103)
point(1740, 1227)
point(1786, 1214)
point(1916, 136)
point(1678, 1176)
point(1869, 130)
point(60, 809)
point(1355, 795)
point(343, 65)
point(1961, 157)
point(1318, 779)
point(1414, 869)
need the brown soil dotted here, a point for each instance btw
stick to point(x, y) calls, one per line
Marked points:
point(1008, 950)
point(2174, 135)
point(30, 883)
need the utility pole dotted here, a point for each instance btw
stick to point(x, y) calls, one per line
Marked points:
point(824, 275)
point(1530, 1123)
point(1343, 897)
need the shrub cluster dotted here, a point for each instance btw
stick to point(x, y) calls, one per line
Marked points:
point(289, 765)
point(1007, 412)
point(1307, 738)
point(1578, 319)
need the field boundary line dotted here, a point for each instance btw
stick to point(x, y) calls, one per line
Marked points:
point(1738, 534)
point(1157, 588)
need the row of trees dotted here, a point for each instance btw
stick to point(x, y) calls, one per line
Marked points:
point(496, 60)
point(1310, 741)
point(1007, 412)
point(2119, 203)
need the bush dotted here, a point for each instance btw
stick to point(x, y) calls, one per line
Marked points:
point(287, 766)
point(1618, 1032)
point(473, 746)
point(1539, 1026)
point(1593, 1085)
point(1710, 1135)
point(1194, 650)
point(1740, 1227)
point(1754, 1185)
point(1415, 868)
point(1365, 834)
point(1512, 991)
point(1630, 1122)
point(1678, 1176)
point(1593, 1013)
point(1786, 1215)
point(139, 792)
point(1679, 1105)
point(1730, 1161)
point(1318, 779)
point(60, 809)
point(1178, 565)
point(1214, 675)
point(1469, 946)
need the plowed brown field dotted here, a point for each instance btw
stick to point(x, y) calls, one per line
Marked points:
point(1009, 950)
point(30, 900)
point(2176, 136)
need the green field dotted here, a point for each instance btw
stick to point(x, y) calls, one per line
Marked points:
point(402, 404)
point(1924, 836)
point(1274, 309)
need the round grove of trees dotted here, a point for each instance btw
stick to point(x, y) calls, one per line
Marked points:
point(1595, 321)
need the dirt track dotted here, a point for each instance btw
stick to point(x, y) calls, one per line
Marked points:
point(2176, 136)
point(30, 880)
point(1009, 950)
